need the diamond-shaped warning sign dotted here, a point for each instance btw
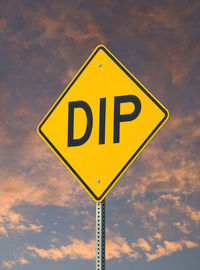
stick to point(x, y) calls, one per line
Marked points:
point(101, 122)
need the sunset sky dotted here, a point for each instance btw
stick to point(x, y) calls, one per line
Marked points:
point(47, 220)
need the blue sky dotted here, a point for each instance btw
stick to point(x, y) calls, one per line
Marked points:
point(47, 220)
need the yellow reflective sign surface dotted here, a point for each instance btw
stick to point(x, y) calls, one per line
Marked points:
point(101, 122)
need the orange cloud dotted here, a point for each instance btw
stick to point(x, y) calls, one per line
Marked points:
point(169, 248)
point(51, 184)
point(182, 226)
point(190, 244)
point(36, 228)
point(11, 263)
point(116, 246)
point(8, 264)
point(15, 190)
point(3, 231)
point(155, 238)
point(170, 170)
point(59, 188)
point(193, 214)
point(158, 236)
point(143, 244)
point(77, 249)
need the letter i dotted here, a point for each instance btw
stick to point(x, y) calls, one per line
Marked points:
point(102, 119)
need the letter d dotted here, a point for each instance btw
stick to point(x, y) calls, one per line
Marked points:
point(85, 137)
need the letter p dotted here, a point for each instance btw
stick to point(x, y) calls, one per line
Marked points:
point(124, 117)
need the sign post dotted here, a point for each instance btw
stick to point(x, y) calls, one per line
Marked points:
point(98, 126)
point(100, 235)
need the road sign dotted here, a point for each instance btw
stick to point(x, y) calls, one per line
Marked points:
point(101, 122)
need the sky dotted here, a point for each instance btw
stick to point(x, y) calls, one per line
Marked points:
point(47, 220)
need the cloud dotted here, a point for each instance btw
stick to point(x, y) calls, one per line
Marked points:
point(182, 226)
point(161, 19)
point(169, 248)
point(64, 27)
point(16, 190)
point(166, 208)
point(3, 231)
point(51, 178)
point(158, 236)
point(68, 23)
point(190, 244)
point(193, 214)
point(143, 244)
point(158, 14)
point(77, 249)
point(155, 238)
point(116, 247)
point(42, 49)
point(170, 163)
point(8, 264)
point(161, 188)
point(3, 25)
point(11, 263)
point(36, 228)
point(34, 177)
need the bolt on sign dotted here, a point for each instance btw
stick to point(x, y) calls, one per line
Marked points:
point(101, 122)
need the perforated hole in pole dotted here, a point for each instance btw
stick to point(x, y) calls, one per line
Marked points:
point(98, 236)
point(103, 235)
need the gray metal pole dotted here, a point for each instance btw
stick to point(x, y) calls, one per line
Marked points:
point(100, 235)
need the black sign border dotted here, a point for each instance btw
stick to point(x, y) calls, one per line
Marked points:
point(138, 150)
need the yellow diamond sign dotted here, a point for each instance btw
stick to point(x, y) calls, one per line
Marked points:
point(101, 122)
